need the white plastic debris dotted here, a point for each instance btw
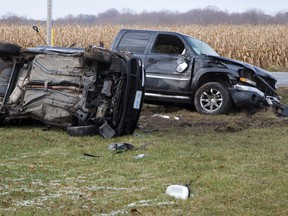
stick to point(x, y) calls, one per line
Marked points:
point(161, 116)
point(178, 191)
point(139, 156)
point(176, 118)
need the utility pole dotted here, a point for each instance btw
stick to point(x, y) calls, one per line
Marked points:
point(49, 22)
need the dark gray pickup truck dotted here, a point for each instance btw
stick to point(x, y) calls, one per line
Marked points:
point(182, 69)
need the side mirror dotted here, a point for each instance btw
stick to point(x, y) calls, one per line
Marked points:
point(181, 67)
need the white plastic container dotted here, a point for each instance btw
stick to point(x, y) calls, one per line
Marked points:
point(178, 191)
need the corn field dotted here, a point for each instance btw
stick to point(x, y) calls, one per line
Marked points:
point(265, 46)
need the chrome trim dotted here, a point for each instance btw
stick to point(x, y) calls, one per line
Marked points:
point(248, 88)
point(143, 72)
point(167, 77)
point(270, 99)
point(167, 96)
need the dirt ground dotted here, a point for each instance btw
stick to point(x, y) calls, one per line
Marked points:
point(164, 118)
point(160, 118)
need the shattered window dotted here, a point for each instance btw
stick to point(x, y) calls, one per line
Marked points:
point(135, 42)
point(168, 44)
point(200, 47)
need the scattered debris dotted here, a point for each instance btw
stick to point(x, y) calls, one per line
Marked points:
point(166, 117)
point(139, 156)
point(285, 111)
point(121, 147)
point(90, 155)
point(178, 191)
point(161, 116)
point(144, 146)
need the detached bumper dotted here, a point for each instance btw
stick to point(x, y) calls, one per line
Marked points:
point(250, 96)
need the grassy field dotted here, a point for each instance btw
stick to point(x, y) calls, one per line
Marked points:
point(234, 164)
point(265, 46)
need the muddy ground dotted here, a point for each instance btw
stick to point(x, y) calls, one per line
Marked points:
point(160, 118)
point(164, 118)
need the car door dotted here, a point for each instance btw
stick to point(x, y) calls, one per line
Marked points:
point(168, 66)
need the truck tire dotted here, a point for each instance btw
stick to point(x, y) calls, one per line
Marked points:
point(212, 98)
point(9, 49)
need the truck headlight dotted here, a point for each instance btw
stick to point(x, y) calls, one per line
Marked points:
point(242, 79)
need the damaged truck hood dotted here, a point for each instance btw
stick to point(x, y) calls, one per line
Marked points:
point(231, 63)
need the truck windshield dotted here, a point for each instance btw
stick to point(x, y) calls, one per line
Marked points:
point(201, 48)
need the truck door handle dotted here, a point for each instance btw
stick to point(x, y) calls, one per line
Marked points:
point(152, 60)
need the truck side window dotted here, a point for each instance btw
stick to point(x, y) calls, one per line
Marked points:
point(168, 44)
point(135, 42)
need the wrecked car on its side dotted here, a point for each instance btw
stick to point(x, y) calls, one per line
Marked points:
point(87, 91)
point(183, 69)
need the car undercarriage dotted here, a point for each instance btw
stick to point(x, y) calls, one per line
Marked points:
point(87, 91)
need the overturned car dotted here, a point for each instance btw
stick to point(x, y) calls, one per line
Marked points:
point(86, 91)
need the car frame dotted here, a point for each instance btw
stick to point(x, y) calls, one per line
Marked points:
point(86, 91)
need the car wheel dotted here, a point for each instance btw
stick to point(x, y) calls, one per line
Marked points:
point(97, 54)
point(9, 48)
point(1, 121)
point(212, 98)
point(88, 130)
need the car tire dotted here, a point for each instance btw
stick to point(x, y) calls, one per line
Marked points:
point(2, 119)
point(9, 49)
point(98, 54)
point(213, 98)
point(88, 130)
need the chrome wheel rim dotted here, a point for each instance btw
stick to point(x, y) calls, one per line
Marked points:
point(211, 100)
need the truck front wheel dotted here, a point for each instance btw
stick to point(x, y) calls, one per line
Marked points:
point(212, 98)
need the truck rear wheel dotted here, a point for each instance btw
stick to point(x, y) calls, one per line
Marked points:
point(212, 98)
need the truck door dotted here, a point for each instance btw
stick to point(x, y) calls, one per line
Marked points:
point(135, 42)
point(168, 65)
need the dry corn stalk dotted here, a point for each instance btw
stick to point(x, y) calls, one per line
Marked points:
point(262, 45)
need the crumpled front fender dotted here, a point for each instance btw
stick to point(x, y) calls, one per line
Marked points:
point(243, 95)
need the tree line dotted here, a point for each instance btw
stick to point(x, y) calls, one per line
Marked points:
point(208, 16)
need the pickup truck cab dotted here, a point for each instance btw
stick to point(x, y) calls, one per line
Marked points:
point(183, 69)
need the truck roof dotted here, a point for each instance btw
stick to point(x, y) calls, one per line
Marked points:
point(153, 31)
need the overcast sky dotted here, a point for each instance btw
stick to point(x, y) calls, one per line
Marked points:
point(37, 9)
